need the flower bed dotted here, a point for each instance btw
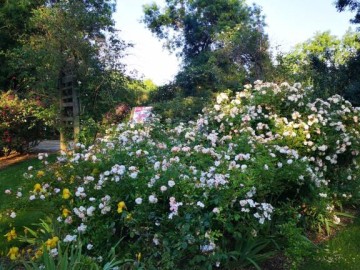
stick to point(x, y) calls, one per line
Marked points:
point(252, 171)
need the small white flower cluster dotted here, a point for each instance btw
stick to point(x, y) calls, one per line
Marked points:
point(69, 238)
point(264, 211)
point(105, 205)
point(174, 207)
point(80, 192)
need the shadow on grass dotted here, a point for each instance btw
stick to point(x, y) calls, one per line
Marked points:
point(342, 252)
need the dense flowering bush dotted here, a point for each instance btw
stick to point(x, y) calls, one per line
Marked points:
point(209, 193)
point(22, 122)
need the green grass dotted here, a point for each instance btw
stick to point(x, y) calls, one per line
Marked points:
point(340, 252)
point(12, 178)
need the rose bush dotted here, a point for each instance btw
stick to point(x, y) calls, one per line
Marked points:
point(252, 170)
point(22, 123)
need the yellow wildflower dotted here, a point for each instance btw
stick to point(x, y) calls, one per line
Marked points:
point(121, 205)
point(52, 242)
point(13, 253)
point(72, 178)
point(138, 256)
point(37, 188)
point(128, 217)
point(95, 171)
point(40, 174)
point(66, 193)
point(11, 235)
point(38, 254)
point(65, 212)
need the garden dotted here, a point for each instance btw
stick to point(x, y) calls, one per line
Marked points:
point(250, 159)
point(258, 173)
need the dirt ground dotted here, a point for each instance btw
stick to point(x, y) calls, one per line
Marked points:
point(14, 158)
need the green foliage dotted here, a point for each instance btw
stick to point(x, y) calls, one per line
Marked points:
point(298, 247)
point(70, 257)
point(247, 178)
point(180, 108)
point(340, 252)
point(14, 21)
point(90, 129)
point(140, 91)
point(23, 123)
point(63, 37)
point(11, 180)
point(353, 5)
point(325, 62)
point(222, 43)
point(165, 92)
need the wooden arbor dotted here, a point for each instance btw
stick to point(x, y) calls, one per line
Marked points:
point(69, 106)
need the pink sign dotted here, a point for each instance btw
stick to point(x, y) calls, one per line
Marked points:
point(141, 114)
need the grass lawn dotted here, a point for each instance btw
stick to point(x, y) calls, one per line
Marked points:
point(342, 252)
point(12, 178)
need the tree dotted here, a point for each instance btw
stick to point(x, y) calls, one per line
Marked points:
point(221, 42)
point(352, 91)
point(321, 62)
point(76, 37)
point(14, 23)
point(353, 5)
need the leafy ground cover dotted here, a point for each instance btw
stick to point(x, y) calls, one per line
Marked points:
point(249, 178)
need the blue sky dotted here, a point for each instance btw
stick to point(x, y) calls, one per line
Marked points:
point(289, 22)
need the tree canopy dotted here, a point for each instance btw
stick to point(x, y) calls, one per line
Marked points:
point(353, 5)
point(14, 24)
point(324, 62)
point(221, 42)
point(60, 32)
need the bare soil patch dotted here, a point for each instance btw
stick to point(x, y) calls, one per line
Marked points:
point(14, 158)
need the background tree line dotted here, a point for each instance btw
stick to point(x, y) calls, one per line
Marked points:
point(223, 46)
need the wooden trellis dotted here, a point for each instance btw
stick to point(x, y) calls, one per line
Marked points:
point(69, 104)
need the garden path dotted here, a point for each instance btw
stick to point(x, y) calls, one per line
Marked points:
point(47, 146)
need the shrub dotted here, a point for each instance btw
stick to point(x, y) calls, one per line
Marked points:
point(220, 191)
point(181, 108)
point(22, 123)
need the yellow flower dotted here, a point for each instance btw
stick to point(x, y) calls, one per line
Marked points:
point(66, 193)
point(11, 235)
point(13, 253)
point(95, 171)
point(65, 212)
point(121, 205)
point(37, 188)
point(52, 242)
point(72, 178)
point(38, 254)
point(40, 174)
point(138, 256)
point(128, 217)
